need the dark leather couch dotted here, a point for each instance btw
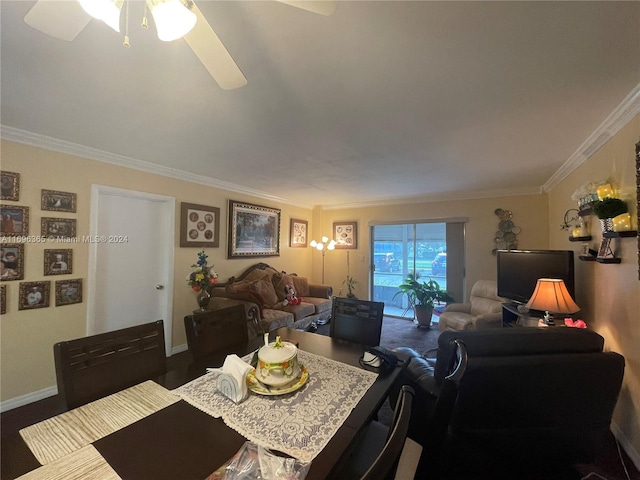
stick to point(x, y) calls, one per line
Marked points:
point(528, 397)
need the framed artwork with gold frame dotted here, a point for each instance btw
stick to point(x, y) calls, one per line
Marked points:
point(12, 257)
point(55, 201)
point(9, 186)
point(254, 230)
point(33, 295)
point(68, 292)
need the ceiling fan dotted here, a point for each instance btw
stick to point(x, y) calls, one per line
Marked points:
point(65, 20)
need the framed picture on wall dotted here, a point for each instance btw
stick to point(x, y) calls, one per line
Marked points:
point(3, 299)
point(58, 227)
point(9, 186)
point(14, 221)
point(12, 261)
point(254, 230)
point(199, 225)
point(58, 262)
point(298, 233)
point(605, 249)
point(68, 292)
point(346, 234)
point(56, 201)
point(33, 295)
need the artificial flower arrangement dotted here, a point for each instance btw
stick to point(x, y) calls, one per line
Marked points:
point(202, 275)
point(577, 324)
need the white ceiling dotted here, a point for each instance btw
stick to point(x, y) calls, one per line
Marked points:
point(381, 101)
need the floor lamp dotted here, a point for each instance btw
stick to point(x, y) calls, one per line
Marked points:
point(323, 246)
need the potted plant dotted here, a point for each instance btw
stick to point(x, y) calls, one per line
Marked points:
point(608, 208)
point(423, 296)
point(351, 283)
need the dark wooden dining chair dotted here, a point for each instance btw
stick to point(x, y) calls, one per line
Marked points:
point(92, 367)
point(377, 454)
point(358, 321)
point(212, 331)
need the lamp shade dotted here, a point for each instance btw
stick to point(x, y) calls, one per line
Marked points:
point(551, 295)
point(173, 18)
point(106, 10)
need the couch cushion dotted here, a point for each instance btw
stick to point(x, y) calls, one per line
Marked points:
point(273, 319)
point(321, 304)
point(299, 311)
point(301, 284)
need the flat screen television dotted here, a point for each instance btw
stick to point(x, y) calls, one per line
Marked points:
point(519, 270)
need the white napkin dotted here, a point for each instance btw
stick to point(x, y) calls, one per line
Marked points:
point(232, 380)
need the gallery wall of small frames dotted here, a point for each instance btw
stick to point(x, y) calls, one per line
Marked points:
point(17, 240)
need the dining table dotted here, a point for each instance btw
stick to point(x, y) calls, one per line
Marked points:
point(170, 434)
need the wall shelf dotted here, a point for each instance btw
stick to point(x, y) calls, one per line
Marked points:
point(608, 260)
point(631, 233)
point(587, 258)
point(585, 238)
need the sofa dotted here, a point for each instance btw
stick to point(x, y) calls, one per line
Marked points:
point(483, 310)
point(261, 289)
point(528, 398)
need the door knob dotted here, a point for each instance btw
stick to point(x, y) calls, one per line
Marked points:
point(159, 287)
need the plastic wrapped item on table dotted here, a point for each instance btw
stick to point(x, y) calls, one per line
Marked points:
point(253, 462)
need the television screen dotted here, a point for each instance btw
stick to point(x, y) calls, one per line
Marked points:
point(519, 270)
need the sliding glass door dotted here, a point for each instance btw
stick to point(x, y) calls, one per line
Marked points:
point(434, 250)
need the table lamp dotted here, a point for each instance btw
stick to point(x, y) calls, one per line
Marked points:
point(551, 296)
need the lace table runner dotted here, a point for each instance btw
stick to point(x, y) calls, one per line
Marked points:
point(300, 423)
point(58, 436)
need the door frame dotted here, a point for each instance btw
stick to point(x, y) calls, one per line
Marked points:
point(169, 204)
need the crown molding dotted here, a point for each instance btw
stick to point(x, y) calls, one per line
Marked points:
point(438, 197)
point(69, 148)
point(623, 114)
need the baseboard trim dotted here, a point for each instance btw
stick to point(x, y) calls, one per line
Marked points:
point(179, 349)
point(633, 454)
point(22, 400)
point(28, 398)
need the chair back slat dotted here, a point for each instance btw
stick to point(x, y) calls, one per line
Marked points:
point(92, 367)
point(213, 331)
point(358, 321)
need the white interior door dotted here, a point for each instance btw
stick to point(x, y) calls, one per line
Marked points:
point(130, 260)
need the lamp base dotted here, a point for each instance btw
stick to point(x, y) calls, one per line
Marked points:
point(548, 319)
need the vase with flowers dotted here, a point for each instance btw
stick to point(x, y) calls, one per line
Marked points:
point(201, 278)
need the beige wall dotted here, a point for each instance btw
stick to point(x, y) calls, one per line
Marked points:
point(529, 213)
point(27, 336)
point(609, 294)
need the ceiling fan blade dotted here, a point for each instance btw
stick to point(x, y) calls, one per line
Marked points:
point(323, 7)
point(212, 53)
point(63, 20)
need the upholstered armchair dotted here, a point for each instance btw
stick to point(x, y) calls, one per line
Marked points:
point(484, 309)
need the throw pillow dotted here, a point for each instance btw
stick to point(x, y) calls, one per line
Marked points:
point(280, 281)
point(265, 289)
point(301, 284)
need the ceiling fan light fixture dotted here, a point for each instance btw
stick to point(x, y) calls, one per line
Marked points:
point(173, 18)
point(106, 10)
